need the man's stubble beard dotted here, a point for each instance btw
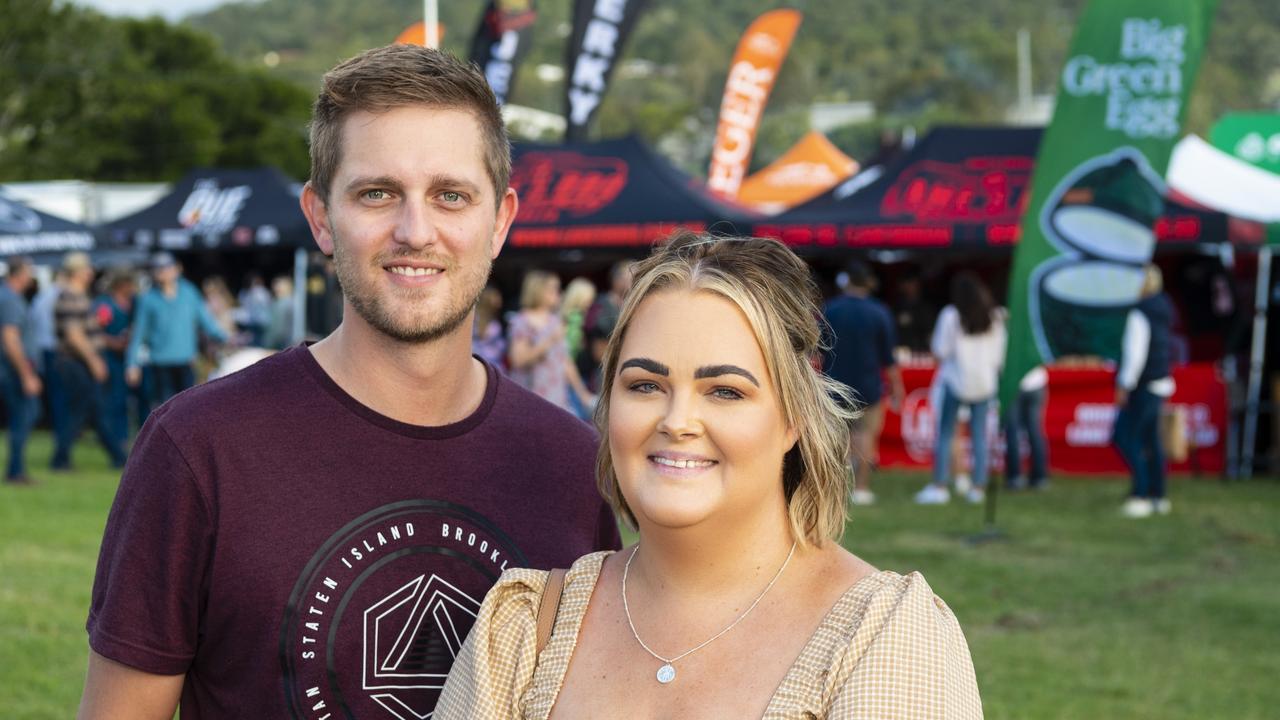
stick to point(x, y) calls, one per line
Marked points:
point(370, 306)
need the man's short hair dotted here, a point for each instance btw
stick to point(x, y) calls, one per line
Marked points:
point(76, 261)
point(397, 76)
point(117, 279)
point(15, 264)
point(860, 275)
point(163, 260)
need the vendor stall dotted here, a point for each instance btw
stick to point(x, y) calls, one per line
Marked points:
point(616, 193)
point(958, 188)
point(253, 213)
point(1078, 418)
point(1212, 178)
point(26, 231)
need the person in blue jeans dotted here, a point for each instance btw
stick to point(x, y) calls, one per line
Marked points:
point(46, 343)
point(861, 352)
point(168, 321)
point(969, 343)
point(1025, 418)
point(18, 366)
point(79, 365)
point(114, 312)
point(1143, 383)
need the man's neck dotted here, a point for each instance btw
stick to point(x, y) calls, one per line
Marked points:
point(427, 384)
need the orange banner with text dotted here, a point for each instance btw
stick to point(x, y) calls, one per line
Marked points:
point(760, 54)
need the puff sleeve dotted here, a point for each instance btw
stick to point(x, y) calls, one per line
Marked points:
point(906, 659)
point(497, 661)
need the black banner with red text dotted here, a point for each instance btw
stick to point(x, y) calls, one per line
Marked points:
point(961, 187)
point(608, 194)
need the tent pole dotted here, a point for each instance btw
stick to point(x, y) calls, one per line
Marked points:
point(299, 295)
point(1256, 357)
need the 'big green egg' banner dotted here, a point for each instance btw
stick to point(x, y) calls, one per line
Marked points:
point(1097, 190)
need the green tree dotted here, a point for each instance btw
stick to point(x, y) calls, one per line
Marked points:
point(98, 98)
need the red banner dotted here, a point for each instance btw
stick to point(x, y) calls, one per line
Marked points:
point(1078, 419)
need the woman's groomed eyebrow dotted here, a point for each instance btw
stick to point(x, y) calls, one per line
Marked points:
point(710, 371)
point(706, 371)
point(652, 366)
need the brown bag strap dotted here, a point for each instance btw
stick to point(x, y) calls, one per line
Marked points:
point(550, 606)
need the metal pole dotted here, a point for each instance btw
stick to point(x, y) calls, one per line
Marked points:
point(1024, 72)
point(299, 329)
point(1256, 357)
point(430, 21)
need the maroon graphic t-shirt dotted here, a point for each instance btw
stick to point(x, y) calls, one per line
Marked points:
point(298, 555)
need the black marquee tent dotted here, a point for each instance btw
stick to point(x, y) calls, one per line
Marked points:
point(25, 231)
point(220, 209)
point(615, 193)
point(959, 187)
point(231, 211)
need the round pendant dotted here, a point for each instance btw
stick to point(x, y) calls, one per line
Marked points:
point(666, 674)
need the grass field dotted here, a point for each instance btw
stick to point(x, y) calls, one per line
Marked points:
point(1075, 613)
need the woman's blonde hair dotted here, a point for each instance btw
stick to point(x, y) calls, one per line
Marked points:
point(773, 289)
point(578, 296)
point(535, 282)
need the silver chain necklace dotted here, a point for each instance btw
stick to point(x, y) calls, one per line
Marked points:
point(667, 672)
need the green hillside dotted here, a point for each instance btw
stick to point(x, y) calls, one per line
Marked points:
point(919, 61)
point(107, 98)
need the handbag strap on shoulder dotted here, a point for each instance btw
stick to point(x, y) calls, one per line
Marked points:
point(550, 606)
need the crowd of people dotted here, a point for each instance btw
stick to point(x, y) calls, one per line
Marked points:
point(967, 341)
point(553, 345)
point(101, 349)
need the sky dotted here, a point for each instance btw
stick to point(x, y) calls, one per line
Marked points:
point(170, 9)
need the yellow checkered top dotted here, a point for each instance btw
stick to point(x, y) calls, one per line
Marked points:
point(888, 649)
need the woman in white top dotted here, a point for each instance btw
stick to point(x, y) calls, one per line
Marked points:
point(725, 448)
point(969, 343)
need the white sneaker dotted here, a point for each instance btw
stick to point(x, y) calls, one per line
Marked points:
point(1136, 507)
point(963, 484)
point(1162, 506)
point(933, 495)
point(976, 496)
point(862, 497)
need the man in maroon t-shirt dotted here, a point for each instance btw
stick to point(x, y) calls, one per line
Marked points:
point(312, 537)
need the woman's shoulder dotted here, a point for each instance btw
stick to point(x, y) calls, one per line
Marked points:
point(518, 584)
point(887, 633)
point(882, 607)
point(884, 597)
point(511, 606)
point(522, 586)
point(948, 315)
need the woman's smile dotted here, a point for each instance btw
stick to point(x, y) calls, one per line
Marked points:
point(680, 464)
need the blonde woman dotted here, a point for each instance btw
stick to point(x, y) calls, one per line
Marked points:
point(537, 353)
point(726, 450)
point(578, 296)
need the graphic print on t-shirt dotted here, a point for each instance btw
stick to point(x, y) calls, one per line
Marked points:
point(382, 609)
